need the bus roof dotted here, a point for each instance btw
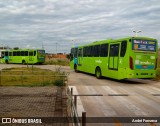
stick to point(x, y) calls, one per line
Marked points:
point(22, 49)
point(115, 40)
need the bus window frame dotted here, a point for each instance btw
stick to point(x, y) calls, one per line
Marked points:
point(18, 53)
point(14, 53)
point(25, 53)
point(31, 53)
point(123, 50)
point(10, 53)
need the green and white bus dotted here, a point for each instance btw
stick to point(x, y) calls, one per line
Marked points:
point(24, 56)
point(131, 57)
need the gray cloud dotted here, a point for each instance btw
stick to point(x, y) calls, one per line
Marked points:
point(33, 22)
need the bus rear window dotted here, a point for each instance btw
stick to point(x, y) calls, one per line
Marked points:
point(143, 45)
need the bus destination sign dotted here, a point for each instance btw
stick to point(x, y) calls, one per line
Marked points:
point(144, 45)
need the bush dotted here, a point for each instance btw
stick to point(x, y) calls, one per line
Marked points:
point(58, 82)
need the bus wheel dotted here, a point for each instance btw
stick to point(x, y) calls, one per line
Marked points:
point(6, 62)
point(23, 62)
point(75, 68)
point(98, 73)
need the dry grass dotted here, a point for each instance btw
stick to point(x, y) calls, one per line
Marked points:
point(57, 61)
point(29, 77)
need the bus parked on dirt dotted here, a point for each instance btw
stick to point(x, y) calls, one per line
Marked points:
point(24, 56)
point(131, 57)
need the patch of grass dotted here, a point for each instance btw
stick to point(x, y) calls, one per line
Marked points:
point(31, 77)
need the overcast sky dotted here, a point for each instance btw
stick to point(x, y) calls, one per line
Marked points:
point(37, 23)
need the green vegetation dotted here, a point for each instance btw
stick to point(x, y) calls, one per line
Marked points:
point(31, 77)
point(58, 82)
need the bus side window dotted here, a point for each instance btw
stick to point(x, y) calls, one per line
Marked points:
point(76, 52)
point(6, 53)
point(96, 50)
point(18, 53)
point(30, 53)
point(71, 55)
point(104, 50)
point(22, 53)
point(80, 52)
point(123, 48)
point(10, 53)
point(89, 51)
point(34, 53)
point(72, 50)
point(26, 53)
point(85, 51)
point(2, 54)
point(14, 53)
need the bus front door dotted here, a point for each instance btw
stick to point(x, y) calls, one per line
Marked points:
point(31, 56)
point(6, 57)
point(10, 57)
point(113, 57)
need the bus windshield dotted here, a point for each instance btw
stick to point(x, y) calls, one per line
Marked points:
point(143, 45)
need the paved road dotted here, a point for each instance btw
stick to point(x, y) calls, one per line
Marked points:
point(130, 98)
point(138, 96)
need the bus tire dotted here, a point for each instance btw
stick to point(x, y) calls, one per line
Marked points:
point(98, 73)
point(75, 68)
point(6, 61)
point(23, 62)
